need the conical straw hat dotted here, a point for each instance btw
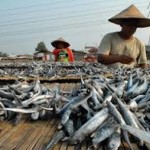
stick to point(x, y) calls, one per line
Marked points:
point(54, 43)
point(131, 14)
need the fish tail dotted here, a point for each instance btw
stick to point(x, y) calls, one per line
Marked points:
point(56, 138)
point(125, 134)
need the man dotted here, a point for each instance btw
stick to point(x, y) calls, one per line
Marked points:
point(122, 49)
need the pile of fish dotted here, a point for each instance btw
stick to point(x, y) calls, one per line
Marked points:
point(32, 99)
point(102, 110)
point(51, 69)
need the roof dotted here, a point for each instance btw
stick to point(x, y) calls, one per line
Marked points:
point(79, 51)
point(45, 52)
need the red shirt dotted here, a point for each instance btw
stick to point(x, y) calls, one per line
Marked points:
point(69, 51)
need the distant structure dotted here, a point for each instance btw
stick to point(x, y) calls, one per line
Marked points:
point(78, 54)
point(18, 58)
point(91, 54)
point(43, 55)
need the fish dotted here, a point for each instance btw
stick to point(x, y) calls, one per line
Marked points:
point(132, 89)
point(141, 88)
point(35, 115)
point(98, 87)
point(113, 89)
point(66, 115)
point(8, 113)
point(55, 139)
point(143, 135)
point(7, 95)
point(103, 133)
point(75, 102)
point(129, 82)
point(95, 100)
point(114, 141)
point(20, 110)
point(69, 127)
point(145, 99)
point(90, 126)
point(35, 99)
point(126, 113)
point(118, 117)
point(108, 97)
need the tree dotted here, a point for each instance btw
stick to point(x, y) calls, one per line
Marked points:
point(41, 47)
point(3, 54)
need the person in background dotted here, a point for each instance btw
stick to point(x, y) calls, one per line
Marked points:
point(62, 51)
point(122, 49)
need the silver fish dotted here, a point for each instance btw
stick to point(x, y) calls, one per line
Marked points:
point(114, 141)
point(140, 88)
point(91, 125)
point(69, 127)
point(56, 138)
point(98, 87)
point(145, 99)
point(35, 115)
point(132, 89)
point(103, 133)
point(21, 110)
point(66, 115)
point(34, 99)
point(143, 135)
point(129, 82)
point(126, 113)
point(118, 117)
point(113, 89)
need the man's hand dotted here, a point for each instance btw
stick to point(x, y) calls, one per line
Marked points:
point(110, 59)
point(126, 59)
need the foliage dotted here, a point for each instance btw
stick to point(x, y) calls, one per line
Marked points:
point(3, 54)
point(41, 47)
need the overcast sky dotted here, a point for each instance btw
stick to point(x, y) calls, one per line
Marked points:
point(24, 23)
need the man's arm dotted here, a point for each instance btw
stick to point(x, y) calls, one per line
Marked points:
point(110, 59)
point(142, 66)
point(142, 59)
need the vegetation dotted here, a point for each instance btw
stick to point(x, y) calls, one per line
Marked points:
point(41, 47)
point(3, 54)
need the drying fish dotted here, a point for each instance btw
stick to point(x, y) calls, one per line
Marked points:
point(90, 126)
point(103, 133)
point(114, 140)
point(25, 111)
point(83, 112)
point(56, 138)
point(143, 135)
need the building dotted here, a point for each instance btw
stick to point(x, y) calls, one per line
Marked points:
point(91, 54)
point(78, 55)
point(43, 55)
point(25, 56)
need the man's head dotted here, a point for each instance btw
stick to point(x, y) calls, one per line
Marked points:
point(128, 27)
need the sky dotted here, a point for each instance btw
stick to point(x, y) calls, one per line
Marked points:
point(25, 23)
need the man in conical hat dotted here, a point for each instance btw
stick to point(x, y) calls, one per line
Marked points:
point(62, 51)
point(122, 49)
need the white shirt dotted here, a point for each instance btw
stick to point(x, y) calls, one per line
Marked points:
point(112, 43)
